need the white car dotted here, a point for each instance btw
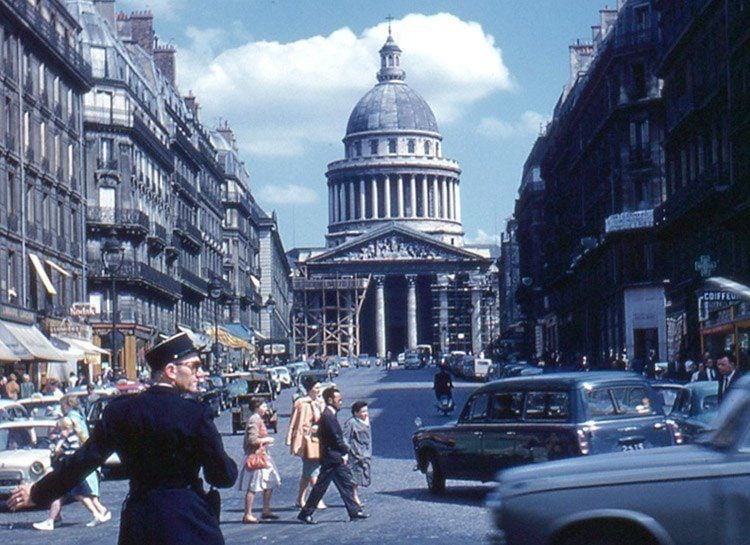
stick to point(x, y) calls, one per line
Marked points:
point(42, 407)
point(285, 377)
point(24, 452)
point(11, 410)
point(273, 376)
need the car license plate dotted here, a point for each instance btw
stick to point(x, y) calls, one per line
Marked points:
point(632, 446)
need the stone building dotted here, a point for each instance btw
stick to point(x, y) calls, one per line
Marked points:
point(275, 289)
point(704, 220)
point(509, 277)
point(603, 174)
point(42, 269)
point(395, 272)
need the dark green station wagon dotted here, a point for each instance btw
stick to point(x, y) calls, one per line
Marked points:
point(533, 419)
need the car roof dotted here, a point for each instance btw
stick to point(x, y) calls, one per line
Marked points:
point(28, 424)
point(559, 380)
point(8, 402)
point(44, 399)
point(703, 386)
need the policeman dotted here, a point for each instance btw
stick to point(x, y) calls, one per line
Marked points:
point(163, 440)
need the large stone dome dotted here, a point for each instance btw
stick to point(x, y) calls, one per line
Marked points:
point(391, 105)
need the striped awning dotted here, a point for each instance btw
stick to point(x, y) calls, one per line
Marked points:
point(6, 354)
point(229, 340)
point(29, 341)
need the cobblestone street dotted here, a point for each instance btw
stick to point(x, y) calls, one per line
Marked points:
point(401, 508)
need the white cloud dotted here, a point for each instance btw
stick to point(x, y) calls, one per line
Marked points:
point(281, 98)
point(289, 194)
point(483, 237)
point(529, 123)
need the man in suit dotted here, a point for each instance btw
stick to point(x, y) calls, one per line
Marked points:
point(333, 467)
point(728, 373)
point(163, 441)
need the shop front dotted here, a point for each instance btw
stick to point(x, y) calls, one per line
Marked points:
point(724, 315)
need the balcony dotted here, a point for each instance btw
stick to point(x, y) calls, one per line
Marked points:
point(706, 190)
point(627, 43)
point(46, 32)
point(135, 272)
point(158, 236)
point(184, 186)
point(62, 244)
point(133, 221)
point(31, 230)
point(109, 165)
point(13, 222)
point(640, 158)
point(10, 142)
point(47, 238)
point(188, 233)
point(629, 221)
point(193, 281)
point(237, 198)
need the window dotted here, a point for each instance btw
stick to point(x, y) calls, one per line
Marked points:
point(506, 407)
point(10, 274)
point(42, 79)
point(358, 148)
point(600, 404)
point(98, 62)
point(411, 146)
point(106, 197)
point(43, 139)
point(633, 401)
point(391, 145)
point(373, 147)
point(476, 408)
point(547, 406)
point(11, 192)
point(427, 148)
point(639, 80)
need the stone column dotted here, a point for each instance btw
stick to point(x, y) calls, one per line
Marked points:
point(400, 189)
point(362, 201)
point(458, 201)
point(476, 321)
point(374, 202)
point(411, 311)
point(342, 201)
point(330, 204)
point(380, 314)
point(413, 195)
point(443, 315)
point(335, 196)
point(444, 195)
point(425, 198)
point(387, 196)
point(352, 203)
point(435, 198)
point(452, 196)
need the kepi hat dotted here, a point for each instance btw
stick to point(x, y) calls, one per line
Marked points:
point(172, 349)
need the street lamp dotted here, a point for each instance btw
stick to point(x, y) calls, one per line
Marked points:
point(113, 255)
point(215, 292)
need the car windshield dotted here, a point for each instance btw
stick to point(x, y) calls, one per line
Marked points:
point(24, 438)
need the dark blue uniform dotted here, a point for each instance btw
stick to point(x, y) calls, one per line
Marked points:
point(163, 440)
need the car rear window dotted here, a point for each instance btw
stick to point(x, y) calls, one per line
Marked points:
point(547, 406)
point(633, 401)
point(600, 403)
point(506, 407)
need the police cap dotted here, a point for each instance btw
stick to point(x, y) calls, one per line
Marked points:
point(174, 348)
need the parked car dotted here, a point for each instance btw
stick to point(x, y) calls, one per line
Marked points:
point(112, 468)
point(12, 410)
point(24, 452)
point(689, 495)
point(533, 419)
point(210, 395)
point(694, 409)
point(668, 392)
point(41, 407)
point(285, 377)
point(256, 384)
point(273, 376)
point(363, 360)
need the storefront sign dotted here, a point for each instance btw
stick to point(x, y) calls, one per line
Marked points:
point(720, 296)
point(15, 314)
point(274, 349)
point(84, 309)
point(72, 329)
point(626, 221)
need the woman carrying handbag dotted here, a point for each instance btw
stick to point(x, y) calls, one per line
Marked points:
point(258, 473)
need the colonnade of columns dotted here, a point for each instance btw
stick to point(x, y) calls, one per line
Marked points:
point(411, 313)
point(403, 196)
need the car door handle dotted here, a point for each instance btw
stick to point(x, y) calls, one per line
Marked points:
point(627, 429)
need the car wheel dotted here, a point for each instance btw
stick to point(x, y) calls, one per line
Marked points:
point(434, 475)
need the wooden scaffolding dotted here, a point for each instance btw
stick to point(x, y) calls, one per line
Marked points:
point(326, 315)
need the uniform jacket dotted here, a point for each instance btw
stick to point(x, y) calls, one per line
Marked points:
point(299, 438)
point(163, 440)
point(333, 446)
point(722, 390)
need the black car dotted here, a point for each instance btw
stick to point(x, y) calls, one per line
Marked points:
point(534, 419)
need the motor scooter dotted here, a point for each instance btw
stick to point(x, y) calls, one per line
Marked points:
point(445, 404)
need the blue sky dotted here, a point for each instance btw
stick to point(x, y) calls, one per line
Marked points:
point(286, 74)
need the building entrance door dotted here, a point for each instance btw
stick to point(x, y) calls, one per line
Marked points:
point(644, 340)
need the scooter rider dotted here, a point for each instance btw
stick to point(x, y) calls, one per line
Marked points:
point(443, 385)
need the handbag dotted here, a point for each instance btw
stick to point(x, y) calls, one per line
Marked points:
point(257, 460)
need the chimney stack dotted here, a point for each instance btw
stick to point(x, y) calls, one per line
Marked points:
point(226, 132)
point(165, 60)
point(581, 55)
point(142, 30)
point(192, 105)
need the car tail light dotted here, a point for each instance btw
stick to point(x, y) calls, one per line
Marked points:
point(676, 432)
point(583, 435)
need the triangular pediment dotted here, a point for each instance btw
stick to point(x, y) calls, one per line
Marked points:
point(394, 243)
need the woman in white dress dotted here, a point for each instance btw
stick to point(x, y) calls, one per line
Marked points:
point(255, 478)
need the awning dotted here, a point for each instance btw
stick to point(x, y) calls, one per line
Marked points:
point(229, 340)
point(239, 330)
point(39, 267)
point(33, 341)
point(255, 282)
point(85, 346)
point(6, 354)
point(57, 267)
point(731, 286)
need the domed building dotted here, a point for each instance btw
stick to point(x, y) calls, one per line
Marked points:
point(395, 273)
point(393, 170)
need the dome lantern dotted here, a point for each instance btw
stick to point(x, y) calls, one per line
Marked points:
point(390, 61)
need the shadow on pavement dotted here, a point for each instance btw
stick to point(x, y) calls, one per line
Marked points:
point(457, 495)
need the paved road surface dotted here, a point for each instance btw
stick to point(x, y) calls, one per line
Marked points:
point(401, 508)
